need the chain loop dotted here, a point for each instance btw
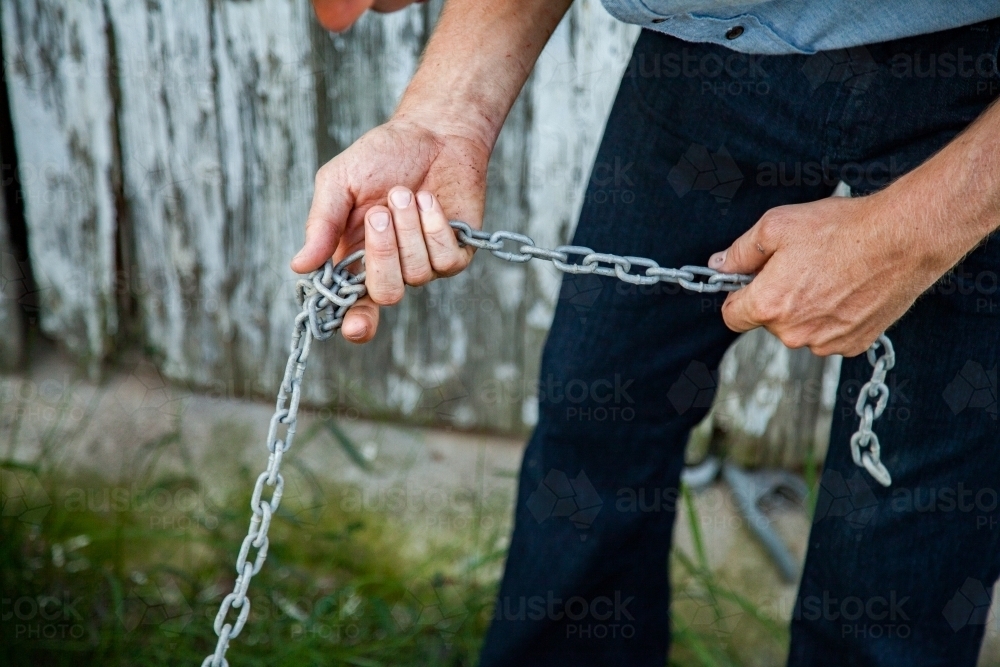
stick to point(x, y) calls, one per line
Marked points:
point(324, 298)
point(877, 389)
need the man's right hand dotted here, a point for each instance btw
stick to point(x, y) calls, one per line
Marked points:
point(392, 193)
point(395, 189)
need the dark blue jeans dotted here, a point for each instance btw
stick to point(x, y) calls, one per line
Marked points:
point(700, 142)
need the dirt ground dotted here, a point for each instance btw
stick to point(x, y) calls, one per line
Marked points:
point(439, 480)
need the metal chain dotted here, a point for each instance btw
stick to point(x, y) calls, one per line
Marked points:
point(326, 295)
point(877, 389)
point(323, 299)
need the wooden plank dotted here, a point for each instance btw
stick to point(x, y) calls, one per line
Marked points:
point(223, 113)
point(15, 295)
point(57, 61)
point(465, 350)
point(217, 130)
point(265, 101)
point(175, 259)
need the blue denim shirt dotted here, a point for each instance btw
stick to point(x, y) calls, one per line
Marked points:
point(799, 26)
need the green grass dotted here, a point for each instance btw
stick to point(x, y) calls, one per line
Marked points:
point(93, 572)
point(133, 575)
point(714, 625)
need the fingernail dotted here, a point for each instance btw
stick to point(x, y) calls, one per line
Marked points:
point(299, 254)
point(718, 259)
point(352, 329)
point(400, 198)
point(379, 220)
point(425, 201)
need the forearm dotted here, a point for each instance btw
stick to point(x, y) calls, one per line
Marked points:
point(477, 61)
point(953, 199)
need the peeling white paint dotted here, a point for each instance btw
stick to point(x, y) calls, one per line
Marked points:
point(57, 60)
point(222, 126)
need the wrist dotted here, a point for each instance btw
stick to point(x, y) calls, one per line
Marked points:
point(476, 63)
point(449, 117)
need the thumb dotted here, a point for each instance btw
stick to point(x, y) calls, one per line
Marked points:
point(332, 203)
point(738, 310)
point(746, 255)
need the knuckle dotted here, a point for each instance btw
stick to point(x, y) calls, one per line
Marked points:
point(418, 276)
point(387, 295)
point(452, 264)
point(382, 251)
point(765, 311)
point(772, 223)
point(770, 307)
point(323, 175)
point(823, 345)
point(794, 339)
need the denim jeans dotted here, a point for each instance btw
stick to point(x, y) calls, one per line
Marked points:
point(700, 142)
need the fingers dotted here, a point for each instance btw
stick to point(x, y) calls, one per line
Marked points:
point(360, 321)
point(446, 256)
point(750, 252)
point(332, 203)
point(407, 242)
point(415, 265)
point(739, 310)
point(415, 245)
point(384, 274)
point(746, 255)
point(754, 305)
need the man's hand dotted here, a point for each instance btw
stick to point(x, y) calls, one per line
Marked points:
point(413, 166)
point(394, 190)
point(834, 274)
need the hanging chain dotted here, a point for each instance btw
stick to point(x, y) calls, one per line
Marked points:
point(875, 388)
point(326, 295)
point(323, 300)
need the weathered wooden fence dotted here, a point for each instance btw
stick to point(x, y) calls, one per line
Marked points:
point(167, 153)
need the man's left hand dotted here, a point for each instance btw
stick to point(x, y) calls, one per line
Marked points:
point(831, 275)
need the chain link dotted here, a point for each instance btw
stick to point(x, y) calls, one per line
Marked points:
point(878, 390)
point(326, 295)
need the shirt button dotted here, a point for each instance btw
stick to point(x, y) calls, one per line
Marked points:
point(734, 32)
